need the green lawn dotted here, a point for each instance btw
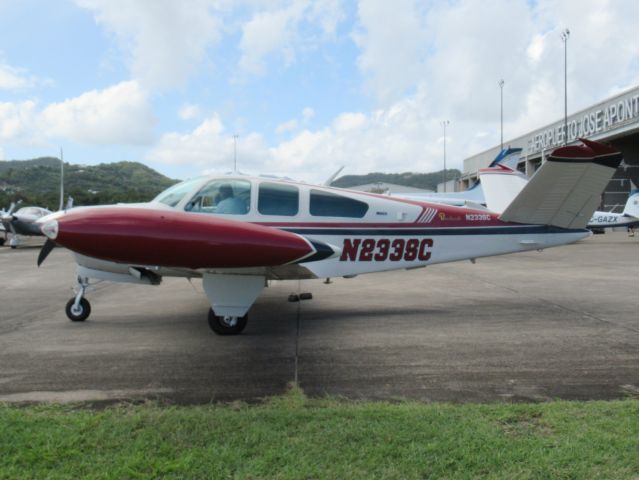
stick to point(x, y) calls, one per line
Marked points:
point(295, 437)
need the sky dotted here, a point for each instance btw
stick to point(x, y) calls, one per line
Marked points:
point(307, 86)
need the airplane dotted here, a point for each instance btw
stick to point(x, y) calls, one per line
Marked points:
point(23, 222)
point(283, 230)
point(628, 218)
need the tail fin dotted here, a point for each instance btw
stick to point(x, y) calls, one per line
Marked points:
point(566, 189)
point(501, 185)
point(632, 205)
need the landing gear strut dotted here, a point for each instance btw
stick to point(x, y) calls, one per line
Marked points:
point(78, 308)
point(226, 325)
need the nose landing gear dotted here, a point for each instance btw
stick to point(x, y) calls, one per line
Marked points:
point(78, 308)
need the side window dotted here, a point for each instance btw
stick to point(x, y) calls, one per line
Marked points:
point(222, 196)
point(327, 204)
point(277, 199)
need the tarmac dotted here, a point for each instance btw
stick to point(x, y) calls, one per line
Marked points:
point(536, 326)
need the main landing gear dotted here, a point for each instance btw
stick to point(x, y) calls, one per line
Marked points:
point(78, 308)
point(227, 325)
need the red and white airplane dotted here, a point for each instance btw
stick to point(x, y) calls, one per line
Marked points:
point(238, 232)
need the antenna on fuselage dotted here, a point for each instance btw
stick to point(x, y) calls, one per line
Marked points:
point(235, 153)
point(61, 180)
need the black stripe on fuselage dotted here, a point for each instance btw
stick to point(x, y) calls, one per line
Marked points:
point(398, 232)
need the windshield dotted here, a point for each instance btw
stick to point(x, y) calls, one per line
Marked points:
point(174, 194)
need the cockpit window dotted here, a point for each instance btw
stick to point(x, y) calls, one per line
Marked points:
point(33, 211)
point(173, 195)
point(327, 204)
point(231, 197)
point(278, 199)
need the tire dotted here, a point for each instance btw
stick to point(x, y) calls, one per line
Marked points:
point(219, 326)
point(84, 310)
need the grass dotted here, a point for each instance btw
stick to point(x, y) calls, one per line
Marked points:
point(295, 437)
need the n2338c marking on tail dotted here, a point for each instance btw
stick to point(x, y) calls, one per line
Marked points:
point(400, 249)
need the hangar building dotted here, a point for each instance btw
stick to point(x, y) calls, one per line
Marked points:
point(614, 121)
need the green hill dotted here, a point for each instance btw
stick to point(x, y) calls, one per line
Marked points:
point(37, 182)
point(427, 181)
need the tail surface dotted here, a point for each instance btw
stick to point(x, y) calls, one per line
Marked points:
point(566, 190)
point(632, 205)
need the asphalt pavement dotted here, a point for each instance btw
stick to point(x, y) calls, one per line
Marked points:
point(563, 323)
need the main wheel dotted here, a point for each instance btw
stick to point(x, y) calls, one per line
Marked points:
point(2, 240)
point(226, 325)
point(79, 313)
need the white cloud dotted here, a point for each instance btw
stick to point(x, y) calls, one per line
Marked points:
point(307, 114)
point(277, 30)
point(386, 140)
point(164, 40)
point(12, 78)
point(291, 125)
point(18, 122)
point(190, 111)
point(288, 126)
point(448, 57)
point(120, 114)
point(209, 148)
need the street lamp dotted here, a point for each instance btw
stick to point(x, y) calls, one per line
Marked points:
point(444, 124)
point(235, 153)
point(564, 37)
point(501, 95)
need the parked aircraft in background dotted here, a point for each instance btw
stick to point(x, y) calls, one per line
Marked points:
point(276, 229)
point(473, 196)
point(628, 218)
point(23, 222)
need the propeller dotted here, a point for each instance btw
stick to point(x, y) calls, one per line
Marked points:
point(8, 216)
point(46, 250)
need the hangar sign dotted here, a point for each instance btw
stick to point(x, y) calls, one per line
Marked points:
point(601, 118)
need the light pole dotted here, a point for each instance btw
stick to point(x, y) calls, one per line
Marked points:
point(235, 153)
point(444, 124)
point(564, 37)
point(501, 115)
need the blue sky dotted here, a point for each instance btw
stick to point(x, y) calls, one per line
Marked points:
point(306, 85)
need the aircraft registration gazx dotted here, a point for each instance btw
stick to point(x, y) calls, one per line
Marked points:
point(238, 232)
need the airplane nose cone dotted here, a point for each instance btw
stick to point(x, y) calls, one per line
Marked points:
point(50, 229)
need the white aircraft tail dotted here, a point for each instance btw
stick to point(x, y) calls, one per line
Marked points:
point(501, 184)
point(632, 205)
point(566, 189)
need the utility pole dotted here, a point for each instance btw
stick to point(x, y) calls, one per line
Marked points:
point(501, 94)
point(564, 37)
point(444, 123)
point(61, 179)
point(235, 153)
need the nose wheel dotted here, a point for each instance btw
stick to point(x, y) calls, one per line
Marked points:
point(79, 312)
point(78, 308)
point(226, 325)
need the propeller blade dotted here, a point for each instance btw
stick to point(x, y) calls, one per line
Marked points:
point(46, 250)
point(12, 208)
